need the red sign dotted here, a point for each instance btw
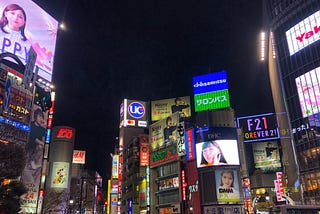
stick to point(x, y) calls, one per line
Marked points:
point(65, 133)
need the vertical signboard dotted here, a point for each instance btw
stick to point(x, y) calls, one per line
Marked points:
point(181, 140)
point(190, 144)
point(115, 166)
point(279, 187)
point(32, 172)
point(211, 91)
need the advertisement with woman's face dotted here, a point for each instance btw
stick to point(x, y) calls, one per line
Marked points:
point(227, 185)
point(217, 153)
point(23, 24)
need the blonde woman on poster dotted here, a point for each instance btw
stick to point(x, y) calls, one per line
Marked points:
point(227, 191)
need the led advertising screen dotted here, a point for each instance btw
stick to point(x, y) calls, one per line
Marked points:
point(217, 146)
point(161, 109)
point(227, 186)
point(60, 175)
point(164, 131)
point(266, 156)
point(308, 87)
point(211, 91)
point(304, 33)
point(35, 28)
point(259, 127)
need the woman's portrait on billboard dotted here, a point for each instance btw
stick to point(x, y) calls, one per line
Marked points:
point(211, 154)
point(12, 33)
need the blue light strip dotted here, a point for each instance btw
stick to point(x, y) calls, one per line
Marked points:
point(15, 124)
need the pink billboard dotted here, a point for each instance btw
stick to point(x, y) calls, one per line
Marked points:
point(23, 25)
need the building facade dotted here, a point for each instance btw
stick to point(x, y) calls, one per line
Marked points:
point(294, 70)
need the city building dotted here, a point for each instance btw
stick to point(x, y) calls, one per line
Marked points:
point(293, 60)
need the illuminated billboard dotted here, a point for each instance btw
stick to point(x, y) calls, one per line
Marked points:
point(164, 155)
point(16, 101)
point(227, 186)
point(217, 146)
point(115, 166)
point(133, 114)
point(304, 33)
point(161, 109)
point(211, 91)
point(163, 131)
point(259, 127)
point(308, 87)
point(79, 157)
point(60, 175)
point(144, 151)
point(31, 174)
point(35, 28)
point(190, 145)
point(266, 156)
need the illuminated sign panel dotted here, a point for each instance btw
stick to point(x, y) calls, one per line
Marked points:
point(259, 127)
point(217, 146)
point(211, 91)
point(190, 145)
point(308, 87)
point(65, 133)
point(164, 155)
point(40, 32)
point(161, 109)
point(115, 166)
point(60, 175)
point(266, 156)
point(212, 100)
point(279, 187)
point(79, 157)
point(133, 113)
point(227, 191)
point(144, 151)
point(164, 131)
point(304, 33)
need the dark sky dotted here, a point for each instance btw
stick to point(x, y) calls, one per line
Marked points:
point(149, 50)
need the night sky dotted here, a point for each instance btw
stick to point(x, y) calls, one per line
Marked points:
point(149, 50)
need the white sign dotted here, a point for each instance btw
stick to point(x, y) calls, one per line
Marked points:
point(79, 157)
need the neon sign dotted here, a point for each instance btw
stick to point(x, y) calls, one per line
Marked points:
point(136, 110)
point(259, 127)
point(65, 133)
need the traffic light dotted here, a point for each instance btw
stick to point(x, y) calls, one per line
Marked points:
point(43, 98)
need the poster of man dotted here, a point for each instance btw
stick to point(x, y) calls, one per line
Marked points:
point(32, 172)
point(266, 155)
point(227, 185)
